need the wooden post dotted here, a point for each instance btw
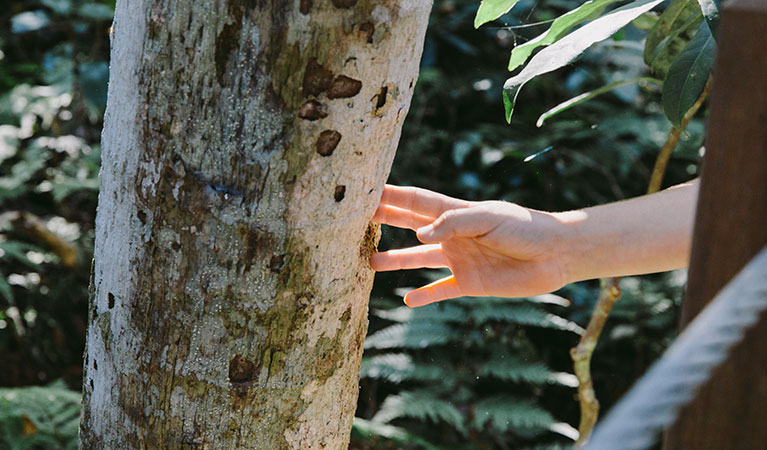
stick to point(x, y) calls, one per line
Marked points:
point(730, 412)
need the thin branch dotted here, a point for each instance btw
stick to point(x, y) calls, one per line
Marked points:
point(581, 354)
point(656, 179)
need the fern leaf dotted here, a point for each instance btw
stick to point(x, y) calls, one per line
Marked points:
point(443, 312)
point(411, 335)
point(399, 367)
point(507, 413)
point(364, 429)
point(511, 368)
point(522, 314)
point(422, 405)
point(39, 417)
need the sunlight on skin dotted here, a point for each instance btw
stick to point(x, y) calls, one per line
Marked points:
point(496, 248)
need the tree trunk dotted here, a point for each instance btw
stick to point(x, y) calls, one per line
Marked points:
point(245, 147)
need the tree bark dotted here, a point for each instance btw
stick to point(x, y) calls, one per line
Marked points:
point(245, 147)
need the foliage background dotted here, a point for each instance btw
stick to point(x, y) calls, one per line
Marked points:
point(475, 374)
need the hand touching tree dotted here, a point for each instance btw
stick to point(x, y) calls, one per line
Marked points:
point(495, 248)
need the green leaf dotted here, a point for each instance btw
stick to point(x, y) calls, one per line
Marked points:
point(512, 368)
point(674, 29)
point(710, 9)
point(440, 312)
point(645, 22)
point(570, 47)
point(504, 413)
point(688, 75)
point(364, 429)
point(399, 367)
point(559, 28)
point(490, 10)
point(674, 17)
point(521, 314)
point(420, 404)
point(6, 290)
point(586, 96)
point(59, 6)
point(411, 335)
point(95, 11)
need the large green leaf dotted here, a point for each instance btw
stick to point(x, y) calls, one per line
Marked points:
point(571, 46)
point(674, 29)
point(687, 76)
point(586, 96)
point(492, 9)
point(559, 28)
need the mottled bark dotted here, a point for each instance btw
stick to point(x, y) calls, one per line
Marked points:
point(245, 147)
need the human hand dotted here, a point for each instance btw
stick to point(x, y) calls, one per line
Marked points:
point(492, 248)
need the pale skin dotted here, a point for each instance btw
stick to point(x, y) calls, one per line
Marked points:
point(501, 249)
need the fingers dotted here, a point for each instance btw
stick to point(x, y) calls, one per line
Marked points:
point(466, 222)
point(420, 201)
point(430, 256)
point(433, 292)
point(401, 218)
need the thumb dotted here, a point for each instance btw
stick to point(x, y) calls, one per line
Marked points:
point(464, 222)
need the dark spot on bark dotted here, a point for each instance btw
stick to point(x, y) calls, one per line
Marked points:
point(95, 365)
point(346, 315)
point(175, 246)
point(141, 217)
point(317, 79)
point(305, 6)
point(256, 240)
point(313, 110)
point(277, 263)
point(226, 44)
point(344, 87)
point(411, 83)
point(380, 98)
point(339, 193)
point(90, 382)
point(344, 3)
point(367, 30)
point(241, 370)
point(327, 142)
point(110, 300)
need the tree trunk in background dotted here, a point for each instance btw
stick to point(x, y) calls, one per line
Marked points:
point(245, 148)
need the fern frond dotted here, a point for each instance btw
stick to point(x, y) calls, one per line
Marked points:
point(439, 312)
point(411, 335)
point(512, 368)
point(365, 429)
point(522, 314)
point(39, 417)
point(422, 405)
point(398, 367)
point(507, 413)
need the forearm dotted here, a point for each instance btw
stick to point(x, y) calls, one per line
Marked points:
point(652, 233)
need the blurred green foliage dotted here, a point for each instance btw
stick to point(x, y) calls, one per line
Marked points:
point(53, 74)
point(471, 373)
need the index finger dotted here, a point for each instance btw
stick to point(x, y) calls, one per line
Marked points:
point(420, 201)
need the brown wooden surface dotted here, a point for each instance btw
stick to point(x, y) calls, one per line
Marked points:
point(730, 412)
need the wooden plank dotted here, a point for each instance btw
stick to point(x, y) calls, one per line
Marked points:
point(730, 412)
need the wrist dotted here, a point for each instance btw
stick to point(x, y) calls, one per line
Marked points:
point(570, 251)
